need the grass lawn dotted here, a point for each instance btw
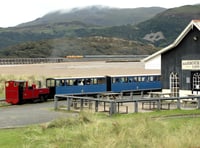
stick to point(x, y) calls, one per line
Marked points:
point(174, 128)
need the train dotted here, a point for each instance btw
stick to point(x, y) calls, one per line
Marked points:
point(17, 92)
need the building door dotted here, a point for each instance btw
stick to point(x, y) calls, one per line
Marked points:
point(195, 76)
point(174, 84)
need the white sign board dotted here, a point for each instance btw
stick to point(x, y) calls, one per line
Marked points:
point(190, 64)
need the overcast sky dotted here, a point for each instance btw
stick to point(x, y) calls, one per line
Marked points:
point(14, 12)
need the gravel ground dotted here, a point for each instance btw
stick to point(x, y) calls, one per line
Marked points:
point(28, 114)
point(36, 113)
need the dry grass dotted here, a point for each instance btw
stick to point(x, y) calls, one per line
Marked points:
point(133, 130)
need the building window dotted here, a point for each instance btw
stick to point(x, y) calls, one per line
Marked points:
point(196, 81)
point(174, 84)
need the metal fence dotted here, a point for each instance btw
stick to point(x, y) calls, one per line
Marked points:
point(115, 103)
point(12, 61)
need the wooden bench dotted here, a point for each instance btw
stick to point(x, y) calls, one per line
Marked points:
point(191, 101)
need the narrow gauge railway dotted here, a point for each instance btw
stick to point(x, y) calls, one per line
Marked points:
point(17, 92)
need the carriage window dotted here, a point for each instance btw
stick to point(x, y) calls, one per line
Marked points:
point(87, 81)
point(57, 82)
point(62, 83)
point(101, 81)
point(70, 82)
point(156, 78)
point(116, 80)
point(113, 80)
point(50, 83)
point(151, 78)
point(124, 80)
point(144, 79)
point(135, 79)
point(94, 81)
point(130, 79)
point(159, 78)
point(141, 79)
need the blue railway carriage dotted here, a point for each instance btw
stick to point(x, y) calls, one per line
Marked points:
point(123, 83)
point(76, 85)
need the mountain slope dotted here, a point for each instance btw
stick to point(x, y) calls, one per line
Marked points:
point(99, 16)
point(76, 37)
point(78, 46)
point(170, 23)
point(60, 24)
point(160, 30)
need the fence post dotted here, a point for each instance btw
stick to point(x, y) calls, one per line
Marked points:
point(198, 103)
point(158, 104)
point(178, 103)
point(96, 106)
point(131, 95)
point(81, 104)
point(118, 107)
point(55, 103)
point(68, 103)
point(121, 95)
point(112, 107)
point(142, 94)
point(90, 104)
point(136, 106)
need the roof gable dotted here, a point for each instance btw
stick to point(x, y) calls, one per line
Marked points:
point(190, 26)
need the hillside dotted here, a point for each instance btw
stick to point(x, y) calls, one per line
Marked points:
point(98, 16)
point(170, 23)
point(70, 24)
point(160, 30)
point(101, 32)
point(78, 46)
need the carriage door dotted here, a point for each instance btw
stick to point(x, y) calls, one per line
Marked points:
point(108, 83)
point(174, 84)
point(195, 76)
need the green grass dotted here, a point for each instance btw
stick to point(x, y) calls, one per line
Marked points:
point(11, 138)
point(156, 129)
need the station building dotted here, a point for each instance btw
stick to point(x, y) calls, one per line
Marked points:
point(179, 62)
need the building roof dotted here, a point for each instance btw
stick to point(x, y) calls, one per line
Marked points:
point(190, 26)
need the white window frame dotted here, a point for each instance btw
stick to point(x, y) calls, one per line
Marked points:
point(174, 84)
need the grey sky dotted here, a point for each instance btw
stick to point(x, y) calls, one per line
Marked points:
point(14, 12)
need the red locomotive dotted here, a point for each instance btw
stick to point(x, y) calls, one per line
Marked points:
point(18, 91)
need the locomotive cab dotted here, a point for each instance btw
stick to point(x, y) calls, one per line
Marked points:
point(14, 91)
point(17, 92)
